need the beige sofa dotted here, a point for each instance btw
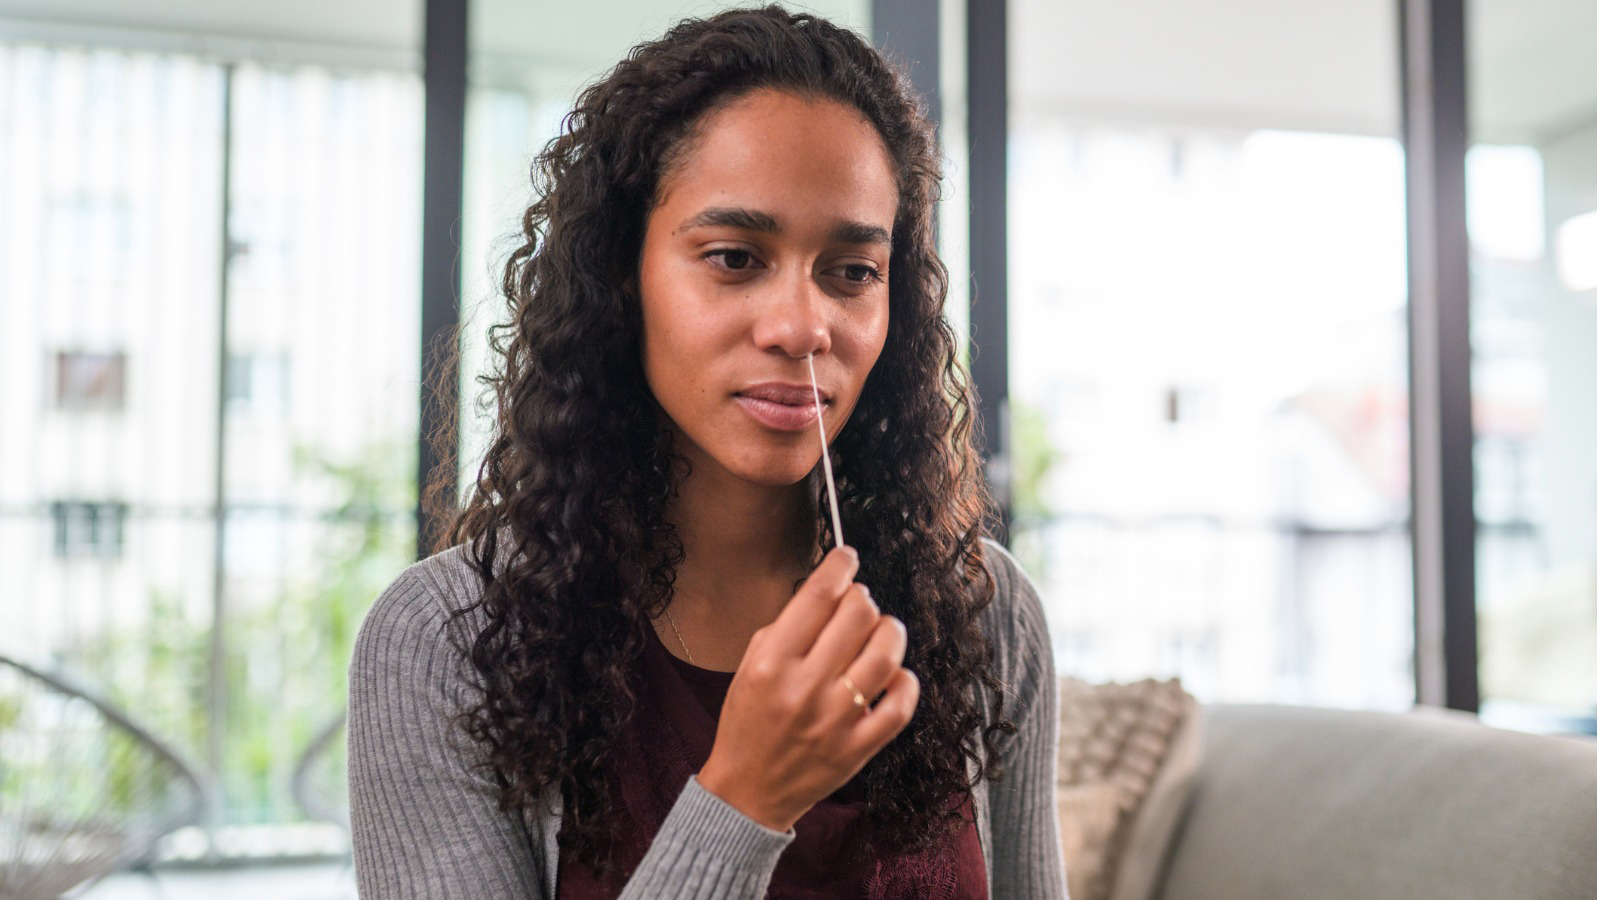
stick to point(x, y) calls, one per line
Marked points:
point(1289, 803)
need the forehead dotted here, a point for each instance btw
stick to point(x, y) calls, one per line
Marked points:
point(788, 154)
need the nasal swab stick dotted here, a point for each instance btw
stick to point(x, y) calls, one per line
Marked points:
point(827, 465)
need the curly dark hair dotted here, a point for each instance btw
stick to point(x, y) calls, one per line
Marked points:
point(567, 520)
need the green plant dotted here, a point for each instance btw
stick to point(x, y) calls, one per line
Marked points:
point(285, 650)
point(1033, 457)
point(287, 658)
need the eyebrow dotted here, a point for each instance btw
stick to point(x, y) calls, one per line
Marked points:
point(756, 220)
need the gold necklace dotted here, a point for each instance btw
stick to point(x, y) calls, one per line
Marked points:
point(680, 636)
point(675, 631)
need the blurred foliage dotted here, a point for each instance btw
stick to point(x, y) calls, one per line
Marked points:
point(287, 662)
point(155, 674)
point(285, 656)
point(10, 710)
point(67, 770)
point(1033, 457)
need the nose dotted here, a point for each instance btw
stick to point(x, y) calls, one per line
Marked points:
point(793, 319)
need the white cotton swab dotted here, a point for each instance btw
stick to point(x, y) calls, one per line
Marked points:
point(827, 465)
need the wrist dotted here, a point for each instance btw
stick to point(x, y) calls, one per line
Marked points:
point(747, 803)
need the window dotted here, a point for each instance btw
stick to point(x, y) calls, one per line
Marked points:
point(1530, 174)
point(91, 381)
point(1207, 367)
point(114, 274)
point(88, 530)
point(258, 383)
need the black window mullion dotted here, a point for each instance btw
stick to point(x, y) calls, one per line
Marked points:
point(908, 31)
point(987, 137)
point(444, 148)
point(1443, 527)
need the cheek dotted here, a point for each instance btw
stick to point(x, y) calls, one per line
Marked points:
point(678, 333)
point(661, 299)
point(868, 337)
point(661, 349)
point(682, 342)
point(663, 312)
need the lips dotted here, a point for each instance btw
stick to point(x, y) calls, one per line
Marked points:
point(787, 394)
point(781, 406)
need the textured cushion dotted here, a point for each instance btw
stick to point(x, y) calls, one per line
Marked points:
point(1318, 804)
point(1128, 756)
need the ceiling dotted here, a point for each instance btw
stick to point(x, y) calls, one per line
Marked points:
point(389, 24)
point(1328, 65)
point(1325, 66)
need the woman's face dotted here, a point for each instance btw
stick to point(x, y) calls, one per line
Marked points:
point(770, 241)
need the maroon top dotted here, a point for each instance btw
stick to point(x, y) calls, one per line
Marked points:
point(671, 739)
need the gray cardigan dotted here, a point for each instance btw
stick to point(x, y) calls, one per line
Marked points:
point(424, 819)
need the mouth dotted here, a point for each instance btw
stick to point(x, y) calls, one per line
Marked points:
point(781, 406)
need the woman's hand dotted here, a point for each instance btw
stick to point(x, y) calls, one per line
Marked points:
point(791, 731)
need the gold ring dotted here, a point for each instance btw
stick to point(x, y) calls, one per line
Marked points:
point(856, 697)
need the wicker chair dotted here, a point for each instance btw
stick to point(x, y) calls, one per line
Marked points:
point(318, 784)
point(84, 791)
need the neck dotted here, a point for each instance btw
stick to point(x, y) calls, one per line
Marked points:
point(744, 547)
point(735, 534)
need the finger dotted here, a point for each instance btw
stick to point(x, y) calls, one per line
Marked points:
point(871, 671)
point(890, 716)
point(797, 627)
point(845, 634)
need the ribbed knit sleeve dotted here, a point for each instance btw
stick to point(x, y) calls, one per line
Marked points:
point(1026, 856)
point(424, 821)
point(706, 848)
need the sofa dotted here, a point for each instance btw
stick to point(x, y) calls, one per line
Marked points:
point(1318, 804)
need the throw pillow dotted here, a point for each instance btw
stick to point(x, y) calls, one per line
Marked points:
point(1128, 754)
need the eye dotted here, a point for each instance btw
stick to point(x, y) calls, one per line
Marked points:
point(733, 259)
point(859, 273)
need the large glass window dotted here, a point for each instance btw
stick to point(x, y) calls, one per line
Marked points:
point(1531, 220)
point(110, 220)
point(1208, 356)
point(209, 423)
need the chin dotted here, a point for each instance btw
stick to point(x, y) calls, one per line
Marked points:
point(772, 471)
point(775, 477)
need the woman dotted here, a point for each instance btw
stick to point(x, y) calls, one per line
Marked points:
point(637, 673)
